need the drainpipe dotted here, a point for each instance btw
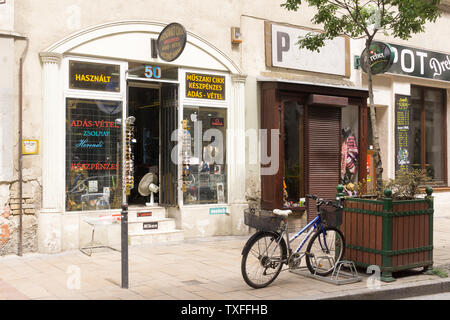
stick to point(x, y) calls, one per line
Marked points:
point(22, 58)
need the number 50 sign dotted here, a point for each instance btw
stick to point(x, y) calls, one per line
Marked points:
point(152, 72)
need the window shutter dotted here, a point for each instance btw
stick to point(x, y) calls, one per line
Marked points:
point(323, 153)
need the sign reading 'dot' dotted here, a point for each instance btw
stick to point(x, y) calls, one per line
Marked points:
point(381, 57)
point(171, 41)
point(282, 51)
point(420, 63)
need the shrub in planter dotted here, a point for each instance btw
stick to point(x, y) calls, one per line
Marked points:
point(393, 230)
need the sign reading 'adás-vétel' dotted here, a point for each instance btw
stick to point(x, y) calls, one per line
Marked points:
point(205, 86)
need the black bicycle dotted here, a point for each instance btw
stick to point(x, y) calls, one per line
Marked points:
point(267, 250)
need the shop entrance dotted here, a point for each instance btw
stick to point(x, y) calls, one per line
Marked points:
point(144, 105)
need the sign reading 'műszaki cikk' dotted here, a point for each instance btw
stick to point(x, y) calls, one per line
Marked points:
point(171, 41)
point(94, 76)
point(205, 86)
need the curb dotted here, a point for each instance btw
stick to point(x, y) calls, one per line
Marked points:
point(393, 291)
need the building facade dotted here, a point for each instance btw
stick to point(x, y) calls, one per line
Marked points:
point(203, 103)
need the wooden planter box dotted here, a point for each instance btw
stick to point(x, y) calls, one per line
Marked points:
point(394, 235)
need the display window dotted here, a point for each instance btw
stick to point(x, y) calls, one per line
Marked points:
point(349, 148)
point(294, 167)
point(204, 155)
point(428, 147)
point(93, 154)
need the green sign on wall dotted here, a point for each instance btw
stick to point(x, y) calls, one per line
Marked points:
point(221, 210)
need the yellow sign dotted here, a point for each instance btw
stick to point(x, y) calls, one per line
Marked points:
point(205, 86)
point(30, 146)
point(92, 78)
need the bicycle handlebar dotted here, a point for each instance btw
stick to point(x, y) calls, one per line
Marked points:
point(321, 201)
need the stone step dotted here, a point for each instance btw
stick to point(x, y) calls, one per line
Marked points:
point(143, 213)
point(147, 225)
point(156, 237)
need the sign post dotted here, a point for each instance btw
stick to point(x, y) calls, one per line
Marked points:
point(124, 245)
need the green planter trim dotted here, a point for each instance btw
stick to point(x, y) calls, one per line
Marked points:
point(389, 252)
point(364, 200)
point(393, 269)
point(394, 214)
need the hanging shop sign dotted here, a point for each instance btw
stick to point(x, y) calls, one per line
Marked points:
point(205, 86)
point(381, 57)
point(403, 134)
point(420, 63)
point(282, 51)
point(171, 41)
point(94, 76)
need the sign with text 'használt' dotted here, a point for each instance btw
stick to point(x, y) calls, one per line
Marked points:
point(94, 76)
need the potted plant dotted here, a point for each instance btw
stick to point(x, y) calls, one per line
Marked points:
point(393, 230)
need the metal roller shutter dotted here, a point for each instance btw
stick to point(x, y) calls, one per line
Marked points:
point(323, 153)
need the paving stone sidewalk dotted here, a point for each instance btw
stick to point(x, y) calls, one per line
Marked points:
point(197, 269)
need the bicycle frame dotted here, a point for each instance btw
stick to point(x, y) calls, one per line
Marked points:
point(315, 223)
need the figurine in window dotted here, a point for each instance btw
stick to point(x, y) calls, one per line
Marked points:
point(349, 156)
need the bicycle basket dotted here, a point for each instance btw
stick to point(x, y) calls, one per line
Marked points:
point(265, 221)
point(331, 214)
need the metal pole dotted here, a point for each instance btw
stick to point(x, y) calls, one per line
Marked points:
point(124, 245)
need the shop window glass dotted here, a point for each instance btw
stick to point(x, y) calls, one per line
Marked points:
point(349, 147)
point(428, 131)
point(293, 153)
point(93, 154)
point(204, 155)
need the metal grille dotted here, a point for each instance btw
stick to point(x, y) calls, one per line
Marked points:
point(169, 123)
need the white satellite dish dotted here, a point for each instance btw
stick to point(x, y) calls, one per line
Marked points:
point(147, 186)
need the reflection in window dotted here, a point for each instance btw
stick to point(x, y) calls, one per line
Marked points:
point(204, 155)
point(93, 154)
point(293, 152)
point(428, 147)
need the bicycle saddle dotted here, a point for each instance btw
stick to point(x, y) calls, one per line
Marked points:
point(283, 213)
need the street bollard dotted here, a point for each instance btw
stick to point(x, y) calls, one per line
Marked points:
point(124, 245)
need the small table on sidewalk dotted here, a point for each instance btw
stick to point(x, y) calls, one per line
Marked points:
point(96, 222)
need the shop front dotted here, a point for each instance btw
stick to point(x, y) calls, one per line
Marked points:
point(137, 122)
point(316, 126)
point(322, 134)
point(413, 99)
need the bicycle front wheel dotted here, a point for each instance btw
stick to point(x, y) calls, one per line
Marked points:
point(262, 259)
point(324, 250)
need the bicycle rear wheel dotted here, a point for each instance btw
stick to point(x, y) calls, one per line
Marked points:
point(324, 250)
point(262, 259)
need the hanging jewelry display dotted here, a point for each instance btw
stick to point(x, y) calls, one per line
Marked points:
point(129, 155)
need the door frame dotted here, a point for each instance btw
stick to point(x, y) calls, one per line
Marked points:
point(135, 83)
